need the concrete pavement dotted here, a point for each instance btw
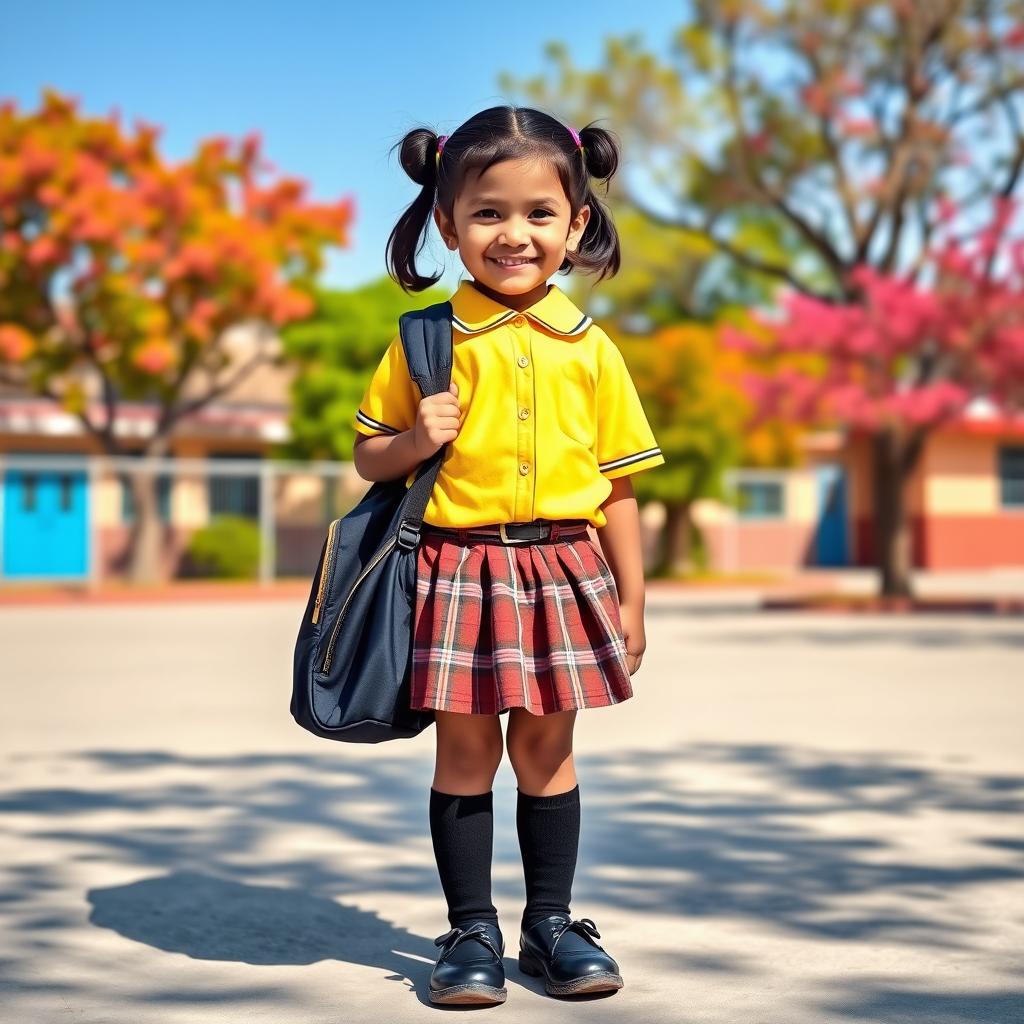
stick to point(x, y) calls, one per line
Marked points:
point(798, 818)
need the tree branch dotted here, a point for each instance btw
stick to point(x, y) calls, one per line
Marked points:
point(174, 414)
point(816, 240)
point(746, 259)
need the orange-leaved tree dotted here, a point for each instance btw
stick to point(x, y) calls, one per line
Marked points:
point(121, 271)
point(693, 391)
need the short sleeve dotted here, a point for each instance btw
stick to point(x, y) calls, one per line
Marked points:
point(625, 441)
point(391, 398)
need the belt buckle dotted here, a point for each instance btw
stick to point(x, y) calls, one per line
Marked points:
point(506, 539)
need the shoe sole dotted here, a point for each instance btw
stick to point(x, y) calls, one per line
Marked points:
point(603, 982)
point(475, 994)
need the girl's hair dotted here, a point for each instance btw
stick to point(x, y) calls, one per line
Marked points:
point(487, 138)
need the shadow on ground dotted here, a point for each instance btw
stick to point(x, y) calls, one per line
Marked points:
point(655, 841)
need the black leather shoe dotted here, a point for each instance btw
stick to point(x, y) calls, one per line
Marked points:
point(564, 952)
point(470, 968)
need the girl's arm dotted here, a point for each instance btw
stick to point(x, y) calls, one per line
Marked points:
point(620, 544)
point(385, 457)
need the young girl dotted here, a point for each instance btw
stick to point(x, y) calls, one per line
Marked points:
point(517, 609)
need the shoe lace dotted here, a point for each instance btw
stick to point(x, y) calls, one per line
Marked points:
point(474, 931)
point(584, 925)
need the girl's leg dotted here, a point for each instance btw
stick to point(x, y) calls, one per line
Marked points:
point(469, 749)
point(540, 749)
point(548, 808)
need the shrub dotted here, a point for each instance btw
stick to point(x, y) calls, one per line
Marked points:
point(228, 548)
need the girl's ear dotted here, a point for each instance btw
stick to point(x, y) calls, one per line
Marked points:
point(577, 228)
point(447, 233)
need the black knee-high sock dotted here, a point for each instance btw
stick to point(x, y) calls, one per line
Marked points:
point(549, 834)
point(462, 830)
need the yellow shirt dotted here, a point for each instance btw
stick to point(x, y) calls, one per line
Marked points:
point(550, 414)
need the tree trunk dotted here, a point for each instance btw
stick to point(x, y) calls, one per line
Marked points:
point(676, 553)
point(146, 565)
point(894, 457)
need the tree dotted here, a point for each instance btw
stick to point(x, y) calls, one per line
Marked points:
point(120, 273)
point(900, 362)
point(697, 420)
point(852, 124)
point(336, 349)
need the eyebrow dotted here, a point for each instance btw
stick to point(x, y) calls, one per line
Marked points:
point(497, 201)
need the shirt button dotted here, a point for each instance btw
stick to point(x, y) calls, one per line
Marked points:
point(519, 321)
point(524, 468)
point(523, 413)
point(523, 361)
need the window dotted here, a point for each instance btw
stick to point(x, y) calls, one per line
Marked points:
point(760, 499)
point(66, 492)
point(28, 492)
point(235, 495)
point(1011, 476)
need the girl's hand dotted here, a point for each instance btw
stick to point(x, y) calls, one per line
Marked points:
point(633, 632)
point(438, 420)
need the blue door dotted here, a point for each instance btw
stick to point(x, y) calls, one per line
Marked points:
point(45, 524)
point(830, 547)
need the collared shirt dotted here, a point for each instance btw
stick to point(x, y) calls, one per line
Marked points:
point(550, 414)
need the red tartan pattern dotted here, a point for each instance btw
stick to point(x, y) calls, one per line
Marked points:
point(522, 625)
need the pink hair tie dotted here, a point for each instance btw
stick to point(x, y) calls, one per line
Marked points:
point(441, 139)
point(576, 138)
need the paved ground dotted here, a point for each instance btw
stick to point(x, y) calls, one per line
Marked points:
point(798, 819)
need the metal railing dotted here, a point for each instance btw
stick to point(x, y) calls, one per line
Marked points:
point(52, 501)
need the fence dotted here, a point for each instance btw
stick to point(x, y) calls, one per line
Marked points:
point(71, 518)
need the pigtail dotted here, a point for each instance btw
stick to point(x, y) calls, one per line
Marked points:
point(598, 249)
point(601, 153)
point(418, 158)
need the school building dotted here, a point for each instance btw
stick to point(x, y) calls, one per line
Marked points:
point(965, 503)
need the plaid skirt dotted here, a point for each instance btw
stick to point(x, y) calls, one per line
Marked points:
point(499, 626)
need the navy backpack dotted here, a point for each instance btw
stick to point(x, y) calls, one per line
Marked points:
point(353, 655)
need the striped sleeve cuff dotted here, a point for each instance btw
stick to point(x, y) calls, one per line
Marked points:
point(647, 459)
point(371, 427)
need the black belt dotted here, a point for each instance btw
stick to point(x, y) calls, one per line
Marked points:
point(515, 533)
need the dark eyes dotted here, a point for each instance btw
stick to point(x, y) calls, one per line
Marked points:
point(540, 210)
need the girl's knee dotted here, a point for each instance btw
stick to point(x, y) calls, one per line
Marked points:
point(470, 749)
point(539, 749)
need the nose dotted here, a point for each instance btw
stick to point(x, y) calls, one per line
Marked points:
point(515, 232)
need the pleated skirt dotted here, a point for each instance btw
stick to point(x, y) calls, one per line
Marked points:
point(501, 626)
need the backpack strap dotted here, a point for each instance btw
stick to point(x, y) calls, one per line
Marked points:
point(427, 340)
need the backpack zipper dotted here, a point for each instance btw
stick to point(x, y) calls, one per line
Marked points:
point(325, 570)
point(344, 608)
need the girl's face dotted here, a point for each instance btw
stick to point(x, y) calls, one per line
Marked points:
point(512, 226)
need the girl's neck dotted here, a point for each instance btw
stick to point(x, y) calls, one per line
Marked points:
point(516, 302)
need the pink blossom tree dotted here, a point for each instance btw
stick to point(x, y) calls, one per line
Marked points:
point(900, 359)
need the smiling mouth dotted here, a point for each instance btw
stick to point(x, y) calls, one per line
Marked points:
point(512, 261)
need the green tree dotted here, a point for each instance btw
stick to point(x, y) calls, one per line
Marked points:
point(336, 349)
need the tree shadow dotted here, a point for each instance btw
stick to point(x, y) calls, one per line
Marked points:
point(655, 841)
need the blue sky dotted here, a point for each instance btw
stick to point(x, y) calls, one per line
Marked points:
point(330, 86)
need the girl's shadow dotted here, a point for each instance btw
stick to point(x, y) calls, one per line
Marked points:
point(211, 918)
